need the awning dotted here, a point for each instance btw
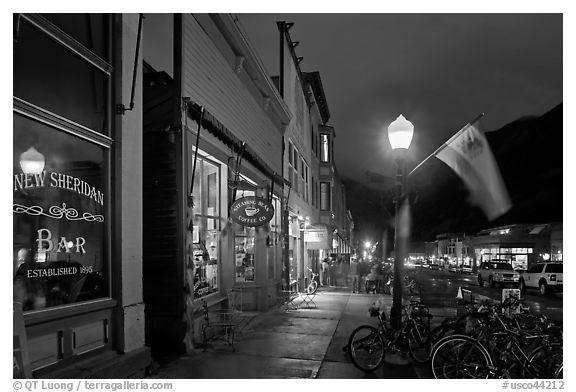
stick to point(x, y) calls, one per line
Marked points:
point(216, 128)
point(318, 237)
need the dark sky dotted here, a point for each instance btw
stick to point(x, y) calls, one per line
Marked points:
point(438, 70)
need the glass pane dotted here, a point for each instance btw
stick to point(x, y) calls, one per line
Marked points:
point(206, 250)
point(244, 251)
point(48, 75)
point(554, 268)
point(324, 152)
point(203, 216)
point(88, 29)
point(59, 212)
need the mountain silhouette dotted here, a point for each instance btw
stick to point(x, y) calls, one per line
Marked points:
point(529, 154)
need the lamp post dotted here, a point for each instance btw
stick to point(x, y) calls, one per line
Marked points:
point(400, 133)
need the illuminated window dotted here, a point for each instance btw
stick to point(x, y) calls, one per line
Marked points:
point(244, 248)
point(204, 229)
point(324, 147)
point(61, 164)
point(60, 218)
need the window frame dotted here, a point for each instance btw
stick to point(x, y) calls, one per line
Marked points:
point(328, 193)
point(327, 146)
point(60, 123)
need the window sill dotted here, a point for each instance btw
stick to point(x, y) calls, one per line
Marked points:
point(59, 312)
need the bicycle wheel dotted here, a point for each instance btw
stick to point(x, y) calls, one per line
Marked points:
point(417, 337)
point(545, 362)
point(312, 287)
point(459, 356)
point(366, 348)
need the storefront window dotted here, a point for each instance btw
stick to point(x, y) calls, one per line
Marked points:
point(48, 75)
point(244, 248)
point(59, 220)
point(88, 29)
point(206, 227)
point(273, 240)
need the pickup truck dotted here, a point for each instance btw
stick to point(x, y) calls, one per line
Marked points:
point(545, 277)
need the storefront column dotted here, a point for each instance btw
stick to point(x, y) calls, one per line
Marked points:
point(127, 179)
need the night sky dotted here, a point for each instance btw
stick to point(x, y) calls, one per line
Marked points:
point(438, 70)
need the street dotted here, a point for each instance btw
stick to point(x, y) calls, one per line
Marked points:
point(440, 288)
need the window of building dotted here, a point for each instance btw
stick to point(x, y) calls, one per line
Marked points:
point(324, 147)
point(71, 86)
point(325, 196)
point(244, 243)
point(304, 179)
point(61, 162)
point(313, 185)
point(295, 179)
point(306, 184)
point(59, 204)
point(273, 240)
point(205, 226)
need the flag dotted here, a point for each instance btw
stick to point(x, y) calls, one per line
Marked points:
point(470, 156)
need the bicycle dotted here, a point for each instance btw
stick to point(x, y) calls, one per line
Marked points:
point(368, 345)
point(497, 350)
point(313, 285)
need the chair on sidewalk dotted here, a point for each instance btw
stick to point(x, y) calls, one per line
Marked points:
point(295, 299)
point(218, 325)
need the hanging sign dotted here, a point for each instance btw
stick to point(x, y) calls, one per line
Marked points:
point(251, 211)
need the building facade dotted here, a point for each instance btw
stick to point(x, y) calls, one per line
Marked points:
point(318, 223)
point(213, 135)
point(521, 245)
point(77, 213)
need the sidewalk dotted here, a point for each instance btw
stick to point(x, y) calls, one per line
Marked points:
point(303, 343)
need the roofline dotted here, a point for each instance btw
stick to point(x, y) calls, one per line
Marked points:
point(251, 60)
point(314, 79)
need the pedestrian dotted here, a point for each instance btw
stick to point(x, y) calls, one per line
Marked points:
point(324, 271)
point(332, 272)
point(345, 269)
point(353, 275)
point(363, 269)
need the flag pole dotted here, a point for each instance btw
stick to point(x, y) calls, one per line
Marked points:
point(447, 142)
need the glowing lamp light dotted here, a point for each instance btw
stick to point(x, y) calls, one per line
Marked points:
point(32, 162)
point(400, 133)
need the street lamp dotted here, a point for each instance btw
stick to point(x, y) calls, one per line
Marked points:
point(400, 133)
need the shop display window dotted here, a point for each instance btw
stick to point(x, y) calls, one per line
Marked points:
point(205, 228)
point(60, 203)
point(273, 240)
point(244, 248)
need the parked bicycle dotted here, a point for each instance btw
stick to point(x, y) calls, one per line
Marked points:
point(499, 347)
point(368, 345)
point(313, 285)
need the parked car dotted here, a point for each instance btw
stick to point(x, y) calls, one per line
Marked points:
point(434, 266)
point(545, 277)
point(453, 268)
point(497, 272)
point(465, 269)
